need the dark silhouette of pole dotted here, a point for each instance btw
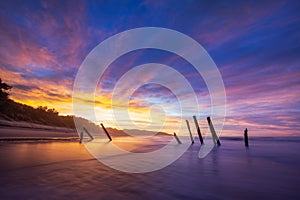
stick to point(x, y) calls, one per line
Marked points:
point(213, 132)
point(90, 135)
point(246, 137)
point(198, 129)
point(176, 137)
point(81, 137)
point(106, 132)
point(188, 126)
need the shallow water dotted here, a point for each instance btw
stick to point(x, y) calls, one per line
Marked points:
point(55, 170)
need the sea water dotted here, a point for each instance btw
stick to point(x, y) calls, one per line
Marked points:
point(269, 168)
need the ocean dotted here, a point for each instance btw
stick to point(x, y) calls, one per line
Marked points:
point(268, 169)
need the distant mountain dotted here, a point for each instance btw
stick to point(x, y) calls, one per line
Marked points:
point(134, 132)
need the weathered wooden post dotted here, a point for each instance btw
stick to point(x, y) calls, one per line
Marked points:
point(198, 129)
point(176, 137)
point(90, 135)
point(213, 132)
point(81, 137)
point(188, 126)
point(107, 134)
point(246, 137)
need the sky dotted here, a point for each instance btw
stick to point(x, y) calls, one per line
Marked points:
point(254, 44)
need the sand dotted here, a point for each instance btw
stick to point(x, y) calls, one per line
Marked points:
point(65, 170)
point(18, 131)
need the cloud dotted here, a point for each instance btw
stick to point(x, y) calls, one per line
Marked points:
point(255, 46)
point(25, 87)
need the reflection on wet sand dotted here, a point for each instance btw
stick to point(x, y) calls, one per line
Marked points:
point(67, 170)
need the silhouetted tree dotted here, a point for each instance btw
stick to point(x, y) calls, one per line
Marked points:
point(4, 88)
point(42, 108)
point(52, 111)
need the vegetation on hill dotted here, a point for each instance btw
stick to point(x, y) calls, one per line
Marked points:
point(13, 111)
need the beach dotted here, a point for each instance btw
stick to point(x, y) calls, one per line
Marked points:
point(17, 131)
point(269, 168)
point(149, 100)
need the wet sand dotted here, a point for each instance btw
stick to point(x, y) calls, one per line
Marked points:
point(65, 170)
point(42, 133)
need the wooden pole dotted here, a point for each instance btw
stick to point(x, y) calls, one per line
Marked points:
point(81, 137)
point(188, 126)
point(107, 134)
point(213, 132)
point(88, 133)
point(198, 129)
point(246, 137)
point(176, 137)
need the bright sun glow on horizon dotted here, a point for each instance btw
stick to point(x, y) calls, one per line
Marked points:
point(254, 45)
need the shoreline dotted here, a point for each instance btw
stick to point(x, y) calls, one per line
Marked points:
point(12, 131)
point(29, 125)
point(29, 132)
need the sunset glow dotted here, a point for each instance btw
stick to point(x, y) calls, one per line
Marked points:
point(254, 45)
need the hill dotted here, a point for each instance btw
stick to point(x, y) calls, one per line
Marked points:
point(13, 111)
